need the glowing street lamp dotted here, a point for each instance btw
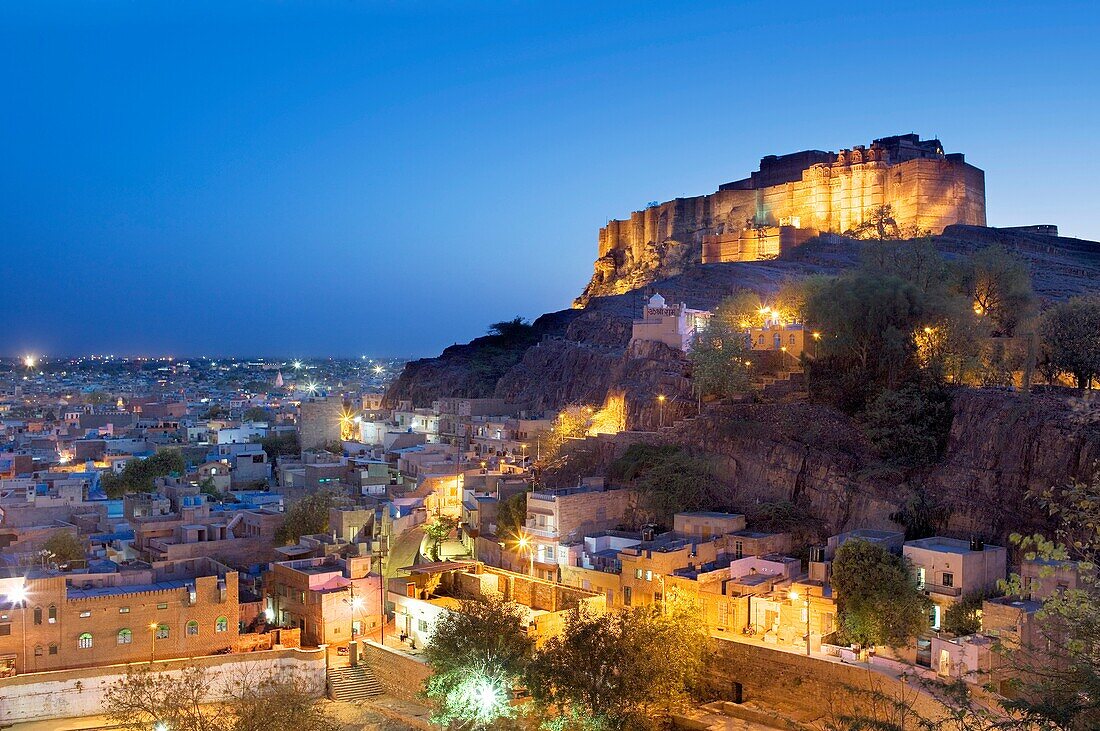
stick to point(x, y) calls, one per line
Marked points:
point(30, 361)
point(152, 642)
point(661, 403)
point(526, 545)
point(794, 596)
point(297, 365)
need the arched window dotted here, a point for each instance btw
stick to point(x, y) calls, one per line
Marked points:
point(85, 641)
point(162, 632)
point(192, 628)
point(52, 614)
point(221, 625)
point(38, 651)
point(38, 615)
point(125, 637)
point(53, 648)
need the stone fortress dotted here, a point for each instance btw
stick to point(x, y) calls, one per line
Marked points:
point(789, 200)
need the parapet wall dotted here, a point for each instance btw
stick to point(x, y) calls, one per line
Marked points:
point(75, 693)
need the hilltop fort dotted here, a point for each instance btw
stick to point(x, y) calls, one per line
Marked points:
point(789, 200)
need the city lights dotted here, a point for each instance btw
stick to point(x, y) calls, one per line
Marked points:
point(30, 361)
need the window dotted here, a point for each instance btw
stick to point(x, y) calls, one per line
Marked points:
point(163, 605)
point(948, 579)
point(38, 615)
point(52, 615)
point(124, 610)
point(637, 573)
point(53, 649)
point(84, 642)
point(422, 625)
point(162, 632)
point(125, 637)
point(627, 592)
point(649, 575)
point(5, 629)
point(85, 614)
point(38, 650)
point(221, 625)
point(192, 628)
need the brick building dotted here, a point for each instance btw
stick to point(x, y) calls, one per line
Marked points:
point(59, 620)
point(330, 599)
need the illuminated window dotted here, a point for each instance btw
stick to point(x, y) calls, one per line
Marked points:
point(637, 573)
point(84, 642)
point(124, 610)
point(221, 625)
point(162, 632)
point(162, 605)
point(85, 614)
point(649, 576)
point(192, 628)
point(125, 637)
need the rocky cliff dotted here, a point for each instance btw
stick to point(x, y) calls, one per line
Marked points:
point(1004, 450)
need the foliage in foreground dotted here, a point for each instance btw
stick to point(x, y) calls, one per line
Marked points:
point(668, 480)
point(478, 656)
point(306, 517)
point(620, 670)
point(179, 700)
point(138, 475)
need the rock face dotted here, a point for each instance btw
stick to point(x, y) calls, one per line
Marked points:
point(1004, 450)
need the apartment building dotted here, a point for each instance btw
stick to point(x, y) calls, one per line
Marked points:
point(332, 600)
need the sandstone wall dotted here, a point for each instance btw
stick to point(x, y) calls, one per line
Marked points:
point(401, 675)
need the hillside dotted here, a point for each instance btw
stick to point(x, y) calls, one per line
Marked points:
point(577, 355)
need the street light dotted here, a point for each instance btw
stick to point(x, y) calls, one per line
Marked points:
point(661, 403)
point(526, 545)
point(794, 597)
point(152, 642)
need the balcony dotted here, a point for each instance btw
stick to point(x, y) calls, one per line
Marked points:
point(543, 532)
point(941, 590)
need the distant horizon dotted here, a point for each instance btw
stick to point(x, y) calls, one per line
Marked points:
point(333, 177)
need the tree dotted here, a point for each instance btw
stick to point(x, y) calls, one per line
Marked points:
point(1071, 338)
point(278, 444)
point(308, 516)
point(877, 596)
point(515, 328)
point(866, 323)
point(216, 411)
point(478, 656)
point(619, 670)
point(97, 398)
point(181, 701)
point(999, 287)
point(439, 530)
point(720, 361)
point(256, 413)
point(964, 617)
point(740, 310)
point(512, 515)
point(63, 547)
point(668, 480)
point(1057, 672)
point(879, 224)
point(139, 474)
point(909, 427)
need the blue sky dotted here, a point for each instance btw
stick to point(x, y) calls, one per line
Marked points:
point(347, 177)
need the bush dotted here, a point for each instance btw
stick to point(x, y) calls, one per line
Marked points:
point(909, 428)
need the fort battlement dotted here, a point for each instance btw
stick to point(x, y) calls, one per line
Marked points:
point(810, 192)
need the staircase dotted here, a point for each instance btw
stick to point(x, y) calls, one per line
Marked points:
point(353, 684)
point(777, 387)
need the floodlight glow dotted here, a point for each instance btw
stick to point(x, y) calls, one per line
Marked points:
point(30, 361)
point(18, 595)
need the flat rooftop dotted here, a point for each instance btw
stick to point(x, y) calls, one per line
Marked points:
point(946, 545)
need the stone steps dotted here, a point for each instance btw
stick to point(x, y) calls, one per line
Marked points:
point(353, 684)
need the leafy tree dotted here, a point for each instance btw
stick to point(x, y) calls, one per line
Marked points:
point(217, 411)
point(1071, 338)
point(439, 530)
point(720, 358)
point(964, 617)
point(478, 656)
point(867, 323)
point(180, 701)
point(138, 475)
point(879, 224)
point(619, 670)
point(999, 287)
point(308, 516)
point(740, 310)
point(909, 427)
point(517, 327)
point(64, 547)
point(278, 444)
point(512, 515)
point(877, 596)
point(1057, 673)
point(97, 398)
point(256, 413)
